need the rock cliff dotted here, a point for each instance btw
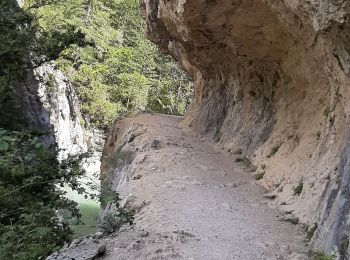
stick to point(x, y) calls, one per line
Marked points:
point(61, 103)
point(272, 84)
point(50, 106)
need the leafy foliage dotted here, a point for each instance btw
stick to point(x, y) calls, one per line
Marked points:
point(259, 176)
point(321, 256)
point(298, 189)
point(274, 150)
point(15, 33)
point(30, 197)
point(311, 231)
point(100, 45)
point(115, 219)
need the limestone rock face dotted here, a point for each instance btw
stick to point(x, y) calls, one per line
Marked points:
point(272, 81)
point(71, 131)
point(60, 101)
point(51, 106)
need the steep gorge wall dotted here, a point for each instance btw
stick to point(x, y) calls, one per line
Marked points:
point(272, 82)
point(50, 106)
point(58, 97)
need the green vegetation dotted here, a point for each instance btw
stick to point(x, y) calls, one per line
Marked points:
point(239, 159)
point(100, 46)
point(344, 248)
point(311, 231)
point(298, 189)
point(36, 217)
point(15, 33)
point(274, 150)
point(326, 111)
point(294, 221)
point(29, 198)
point(321, 256)
point(114, 220)
point(259, 176)
point(244, 160)
point(246, 163)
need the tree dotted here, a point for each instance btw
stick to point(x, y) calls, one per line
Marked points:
point(30, 197)
point(16, 31)
point(100, 46)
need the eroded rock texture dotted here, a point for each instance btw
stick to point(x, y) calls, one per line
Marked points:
point(272, 80)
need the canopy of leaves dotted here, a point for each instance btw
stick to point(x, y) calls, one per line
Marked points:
point(30, 198)
point(101, 46)
point(15, 33)
point(30, 226)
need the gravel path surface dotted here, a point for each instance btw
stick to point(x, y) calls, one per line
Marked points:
point(192, 202)
point(202, 203)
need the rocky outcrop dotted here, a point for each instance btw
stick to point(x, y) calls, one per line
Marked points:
point(51, 107)
point(71, 132)
point(271, 82)
point(29, 107)
point(61, 103)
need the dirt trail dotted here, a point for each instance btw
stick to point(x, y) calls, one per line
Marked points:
point(196, 203)
point(211, 207)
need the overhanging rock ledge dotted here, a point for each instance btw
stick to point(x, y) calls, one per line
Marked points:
point(272, 81)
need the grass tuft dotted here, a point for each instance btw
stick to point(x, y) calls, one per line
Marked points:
point(326, 111)
point(321, 256)
point(294, 221)
point(246, 163)
point(311, 231)
point(344, 247)
point(274, 150)
point(298, 189)
point(259, 176)
point(239, 159)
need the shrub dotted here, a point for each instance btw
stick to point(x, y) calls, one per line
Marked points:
point(343, 248)
point(30, 197)
point(311, 231)
point(326, 111)
point(298, 189)
point(116, 217)
point(113, 221)
point(321, 256)
point(259, 176)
